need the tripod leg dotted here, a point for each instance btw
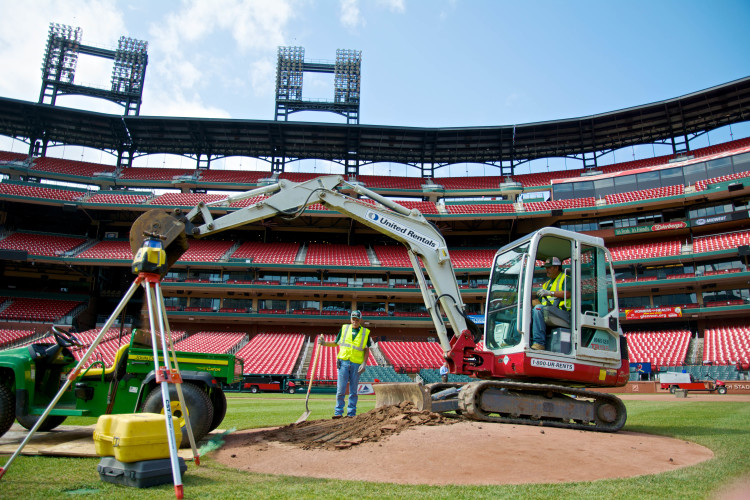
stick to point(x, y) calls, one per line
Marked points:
point(74, 374)
point(171, 439)
point(162, 315)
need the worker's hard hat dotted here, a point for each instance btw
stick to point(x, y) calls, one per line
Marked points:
point(552, 261)
point(356, 314)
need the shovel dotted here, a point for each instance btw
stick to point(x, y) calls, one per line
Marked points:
point(309, 386)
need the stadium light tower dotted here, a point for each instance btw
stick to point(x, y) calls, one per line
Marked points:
point(59, 66)
point(290, 69)
point(128, 73)
point(60, 59)
point(347, 82)
point(289, 75)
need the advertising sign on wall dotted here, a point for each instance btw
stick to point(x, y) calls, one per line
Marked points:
point(641, 367)
point(661, 226)
point(717, 219)
point(654, 313)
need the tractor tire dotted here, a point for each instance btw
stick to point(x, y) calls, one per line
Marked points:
point(219, 401)
point(50, 423)
point(7, 409)
point(721, 390)
point(291, 390)
point(200, 409)
point(672, 388)
point(254, 389)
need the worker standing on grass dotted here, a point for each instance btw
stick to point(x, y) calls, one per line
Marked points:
point(444, 372)
point(354, 343)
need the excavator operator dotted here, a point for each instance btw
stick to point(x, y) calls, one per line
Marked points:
point(552, 305)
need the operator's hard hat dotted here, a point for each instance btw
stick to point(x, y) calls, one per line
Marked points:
point(552, 261)
point(356, 314)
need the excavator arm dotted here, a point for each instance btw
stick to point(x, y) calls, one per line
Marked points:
point(422, 239)
point(493, 400)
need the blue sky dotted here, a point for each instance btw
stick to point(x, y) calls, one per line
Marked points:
point(425, 63)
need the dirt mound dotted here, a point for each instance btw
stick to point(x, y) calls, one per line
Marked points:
point(345, 432)
point(467, 452)
point(400, 444)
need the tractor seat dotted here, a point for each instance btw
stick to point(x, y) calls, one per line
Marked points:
point(119, 364)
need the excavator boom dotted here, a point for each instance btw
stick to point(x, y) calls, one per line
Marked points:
point(425, 245)
point(521, 385)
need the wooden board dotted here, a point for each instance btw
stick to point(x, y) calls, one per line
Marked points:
point(64, 441)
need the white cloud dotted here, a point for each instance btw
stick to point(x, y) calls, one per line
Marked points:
point(253, 25)
point(174, 102)
point(394, 5)
point(263, 77)
point(448, 10)
point(246, 32)
point(350, 15)
point(23, 38)
point(196, 46)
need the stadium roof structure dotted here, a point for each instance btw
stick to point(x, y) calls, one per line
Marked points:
point(686, 116)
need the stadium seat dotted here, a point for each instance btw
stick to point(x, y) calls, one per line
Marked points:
point(267, 253)
point(660, 348)
point(213, 342)
point(411, 356)
point(337, 255)
point(271, 353)
point(41, 244)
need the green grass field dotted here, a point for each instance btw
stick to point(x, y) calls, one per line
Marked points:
point(724, 427)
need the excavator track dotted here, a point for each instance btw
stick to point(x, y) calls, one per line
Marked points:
point(541, 404)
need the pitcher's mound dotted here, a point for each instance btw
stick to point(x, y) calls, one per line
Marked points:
point(423, 448)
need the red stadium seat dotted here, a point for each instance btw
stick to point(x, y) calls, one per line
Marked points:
point(267, 253)
point(41, 244)
point(412, 356)
point(337, 255)
point(271, 353)
point(662, 348)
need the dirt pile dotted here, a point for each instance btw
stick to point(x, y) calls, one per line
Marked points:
point(346, 432)
point(468, 452)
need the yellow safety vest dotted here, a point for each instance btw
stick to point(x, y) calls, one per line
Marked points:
point(348, 350)
point(556, 285)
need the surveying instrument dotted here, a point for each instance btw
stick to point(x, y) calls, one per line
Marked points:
point(150, 264)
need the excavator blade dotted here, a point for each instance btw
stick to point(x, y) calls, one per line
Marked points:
point(169, 228)
point(398, 392)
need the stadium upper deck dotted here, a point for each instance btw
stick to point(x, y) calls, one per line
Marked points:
point(566, 183)
point(675, 120)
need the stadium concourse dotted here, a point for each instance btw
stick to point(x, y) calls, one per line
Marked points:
point(677, 223)
point(679, 253)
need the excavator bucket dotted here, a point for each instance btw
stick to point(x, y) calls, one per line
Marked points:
point(167, 227)
point(395, 393)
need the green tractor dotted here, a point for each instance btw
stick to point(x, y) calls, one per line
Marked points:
point(31, 376)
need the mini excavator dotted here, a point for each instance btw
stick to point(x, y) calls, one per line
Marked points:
point(514, 383)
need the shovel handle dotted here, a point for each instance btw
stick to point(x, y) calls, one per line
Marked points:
point(315, 364)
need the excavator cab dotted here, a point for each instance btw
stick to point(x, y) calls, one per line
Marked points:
point(511, 295)
point(583, 346)
point(583, 343)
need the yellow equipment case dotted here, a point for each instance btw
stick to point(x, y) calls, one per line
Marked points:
point(134, 437)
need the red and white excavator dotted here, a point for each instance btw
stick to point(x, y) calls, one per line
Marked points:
point(514, 383)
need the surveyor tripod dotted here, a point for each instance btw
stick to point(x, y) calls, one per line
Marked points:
point(165, 374)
